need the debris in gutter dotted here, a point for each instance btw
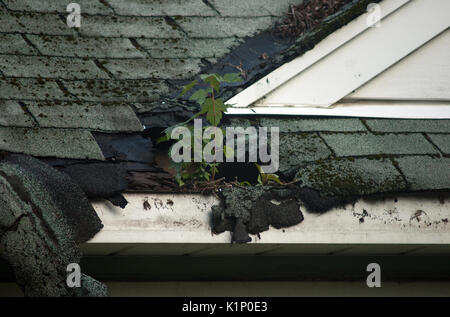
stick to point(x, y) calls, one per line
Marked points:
point(250, 210)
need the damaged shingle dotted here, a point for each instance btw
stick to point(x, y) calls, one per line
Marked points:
point(98, 180)
point(254, 209)
point(46, 216)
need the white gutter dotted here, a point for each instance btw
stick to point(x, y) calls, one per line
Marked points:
point(180, 224)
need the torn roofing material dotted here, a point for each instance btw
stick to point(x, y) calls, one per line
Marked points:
point(46, 216)
point(252, 210)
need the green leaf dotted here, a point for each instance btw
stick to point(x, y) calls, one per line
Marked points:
point(274, 178)
point(199, 96)
point(187, 88)
point(214, 110)
point(164, 138)
point(213, 82)
point(207, 106)
point(232, 78)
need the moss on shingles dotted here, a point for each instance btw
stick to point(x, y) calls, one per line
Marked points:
point(350, 177)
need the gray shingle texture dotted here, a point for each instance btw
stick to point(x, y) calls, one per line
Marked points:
point(94, 116)
point(63, 143)
point(314, 124)
point(50, 6)
point(252, 7)
point(346, 177)
point(14, 44)
point(85, 47)
point(90, 78)
point(442, 141)
point(297, 149)
point(161, 8)
point(387, 125)
point(361, 144)
point(14, 114)
point(425, 173)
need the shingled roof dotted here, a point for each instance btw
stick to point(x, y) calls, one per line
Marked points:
point(90, 102)
point(58, 84)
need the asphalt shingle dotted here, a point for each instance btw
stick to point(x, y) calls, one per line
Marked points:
point(252, 8)
point(361, 144)
point(87, 6)
point(33, 23)
point(425, 173)
point(314, 124)
point(347, 177)
point(117, 90)
point(389, 125)
point(188, 48)
point(49, 67)
point(31, 88)
point(14, 44)
point(297, 149)
point(63, 143)
point(14, 115)
point(92, 116)
point(112, 26)
point(442, 141)
point(161, 8)
point(76, 46)
point(152, 68)
point(218, 27)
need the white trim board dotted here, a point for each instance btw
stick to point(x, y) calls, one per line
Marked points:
point(423, 75)
point(381, 109)
point(324, 80)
